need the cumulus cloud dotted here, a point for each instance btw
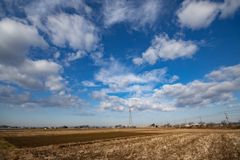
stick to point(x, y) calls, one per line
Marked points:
point(61, 100)
point(131, 88)
point(8, 96)
point(73, 30)
point(197, 14)
point(15, 67)
point(225, 73)
point(165, 48)
point(96, 95)
point(113, 103)
point(16, 39)
point(139, 16)
point(200, 14)
point(198, 94)
point(142, 104)
point(117, 104)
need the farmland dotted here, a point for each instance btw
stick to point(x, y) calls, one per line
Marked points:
point(121, 144)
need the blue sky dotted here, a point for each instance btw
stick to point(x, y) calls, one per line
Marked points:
point(86, 62)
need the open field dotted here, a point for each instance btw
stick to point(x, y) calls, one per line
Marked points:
point(37, 141)
point(125, 144)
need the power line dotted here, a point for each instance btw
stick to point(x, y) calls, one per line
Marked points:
point(222, 113)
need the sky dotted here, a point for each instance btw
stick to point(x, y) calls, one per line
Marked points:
point(87, 62)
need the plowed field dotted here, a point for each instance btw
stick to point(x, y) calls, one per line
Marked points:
point(163, 144)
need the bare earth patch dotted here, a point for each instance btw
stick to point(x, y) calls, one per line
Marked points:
point(165, 144)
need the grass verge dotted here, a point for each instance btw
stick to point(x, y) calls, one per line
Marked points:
point(37, 141)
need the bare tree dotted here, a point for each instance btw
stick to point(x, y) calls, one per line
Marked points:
point(177, 125)
point(209, 124)
point(152, 125)
point(191, 123)
point(167, 125)
point(183, 124)
point(224, 123)
point(201, 124)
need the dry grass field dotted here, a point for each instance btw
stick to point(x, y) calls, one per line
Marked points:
point(120, 144)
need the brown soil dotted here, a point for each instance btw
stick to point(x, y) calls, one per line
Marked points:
point(37, 141)
point(166, 144)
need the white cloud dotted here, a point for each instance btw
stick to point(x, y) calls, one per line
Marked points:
point(57, 55)
point(131, 88)
point(55, 83)
point(89, 84)
point(61, 100)
point(45, 7)
point(173, 79)
point(141, 104)
point(233, 105)
point(15, 67)
point(73, 56)
point(225, 73)
point(96, 95)
point(73, 30)
point(119, 77)
point(197, 14)
point(198, 94)
point(200, 14)
point(114, 103)
point(8, 96)
point(40, 67)
point(25, 99)
point(138, 94)
point(84, 90)
point(97, 58)
point(138, 61)
point(16, 39)
point(96, 55)
point(229, 8)
point(165, 48)
point(12, 74)
point(139, 16)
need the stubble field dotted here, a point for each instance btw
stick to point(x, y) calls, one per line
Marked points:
point(121, 144)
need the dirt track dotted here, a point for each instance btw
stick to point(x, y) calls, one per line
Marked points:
point(170, 144)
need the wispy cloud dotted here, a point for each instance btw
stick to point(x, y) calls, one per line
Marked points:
point(138, 16)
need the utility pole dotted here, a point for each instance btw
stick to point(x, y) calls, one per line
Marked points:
point(130, 118)
point(200, 119)
point(226, 117)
